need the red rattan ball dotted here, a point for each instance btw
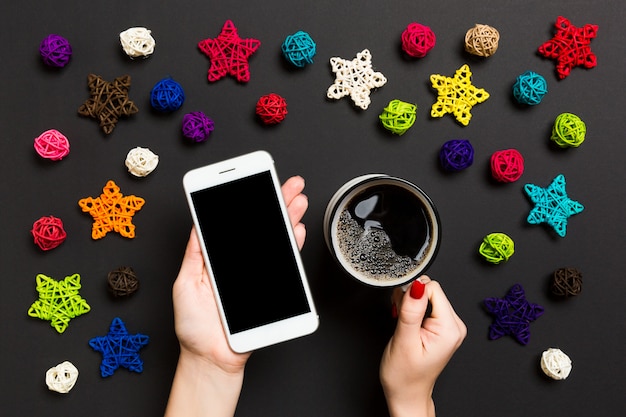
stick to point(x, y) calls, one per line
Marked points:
point(48, 232)
point(271, 108)
point(417, 40)
point(507, 165)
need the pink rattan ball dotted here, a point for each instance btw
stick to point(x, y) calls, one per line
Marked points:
point(52, 144)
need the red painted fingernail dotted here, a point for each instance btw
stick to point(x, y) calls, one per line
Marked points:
point(394, 311)
point(417, 289)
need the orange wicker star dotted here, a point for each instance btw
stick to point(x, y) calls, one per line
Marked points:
point(108, 101)
point(229, 54)
point(112, 211)
point(570, 46)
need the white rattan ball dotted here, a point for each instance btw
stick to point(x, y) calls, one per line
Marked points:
point(556, 364)
point(141, 161)
point(61, 378)
point(137, 42)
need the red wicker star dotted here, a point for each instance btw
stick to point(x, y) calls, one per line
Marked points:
point(570, 46)
point(229, 54)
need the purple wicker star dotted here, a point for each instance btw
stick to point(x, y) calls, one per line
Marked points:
point(119, 348)
point(512, 315)
point(552, 205)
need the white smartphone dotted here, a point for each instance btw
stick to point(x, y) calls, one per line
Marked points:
point(250, 251)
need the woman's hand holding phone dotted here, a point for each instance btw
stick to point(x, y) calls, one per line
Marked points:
point(250, 250)
point(210, 373)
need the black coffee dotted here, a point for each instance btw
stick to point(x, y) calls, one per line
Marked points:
point(384, 232)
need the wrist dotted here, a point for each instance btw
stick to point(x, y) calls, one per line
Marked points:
point(414, 407)
point(201, 388)
point(409, 401)
point(202, 367)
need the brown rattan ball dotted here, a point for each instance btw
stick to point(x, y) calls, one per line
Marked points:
point(482, 40)
point(567, 282)
point(123, 281)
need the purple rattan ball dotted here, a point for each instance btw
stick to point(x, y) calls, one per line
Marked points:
point(456, 155)
point(197, 126)
point(55, 51)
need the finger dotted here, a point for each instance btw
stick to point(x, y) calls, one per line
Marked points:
point(291, 188)
point(443, 312)
point(425, 279)
point(398, 292)
point(441, 306)
point(296, 202)
point(296, 209)
point(299, 232)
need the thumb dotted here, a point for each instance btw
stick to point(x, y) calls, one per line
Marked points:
point(414, 303)
point(193, 262)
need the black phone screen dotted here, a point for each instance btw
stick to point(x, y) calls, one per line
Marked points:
point(248, 246)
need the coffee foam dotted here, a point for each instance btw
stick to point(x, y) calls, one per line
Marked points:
point(369, 252)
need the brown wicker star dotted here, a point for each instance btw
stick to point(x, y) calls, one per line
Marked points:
point(108, 102)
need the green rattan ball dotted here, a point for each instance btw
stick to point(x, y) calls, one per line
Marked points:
point(398, 116)
point(497, 248)
point(568, 131)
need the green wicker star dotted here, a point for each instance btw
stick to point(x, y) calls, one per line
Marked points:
point(552, 205)
point(456, 95)
point(59, 301)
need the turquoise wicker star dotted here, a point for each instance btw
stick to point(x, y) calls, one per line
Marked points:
point(552, 205)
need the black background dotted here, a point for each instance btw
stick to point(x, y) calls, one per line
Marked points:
point(335, 371)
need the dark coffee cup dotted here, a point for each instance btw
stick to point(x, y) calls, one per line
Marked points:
point(383, 231)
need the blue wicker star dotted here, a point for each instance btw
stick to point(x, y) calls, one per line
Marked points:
point(119, 348)
point(552, 205)
point(513, 315)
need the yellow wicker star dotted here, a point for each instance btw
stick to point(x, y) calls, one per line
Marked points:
point(59, 301)
point(456, 95)
point(112, 211)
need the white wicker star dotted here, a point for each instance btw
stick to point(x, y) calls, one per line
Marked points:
point(355, 78)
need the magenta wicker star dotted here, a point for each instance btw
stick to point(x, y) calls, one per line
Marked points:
point(229, 54)
point(552, 205)
point(119, 348)
point(512, 315)
point(570, 46)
